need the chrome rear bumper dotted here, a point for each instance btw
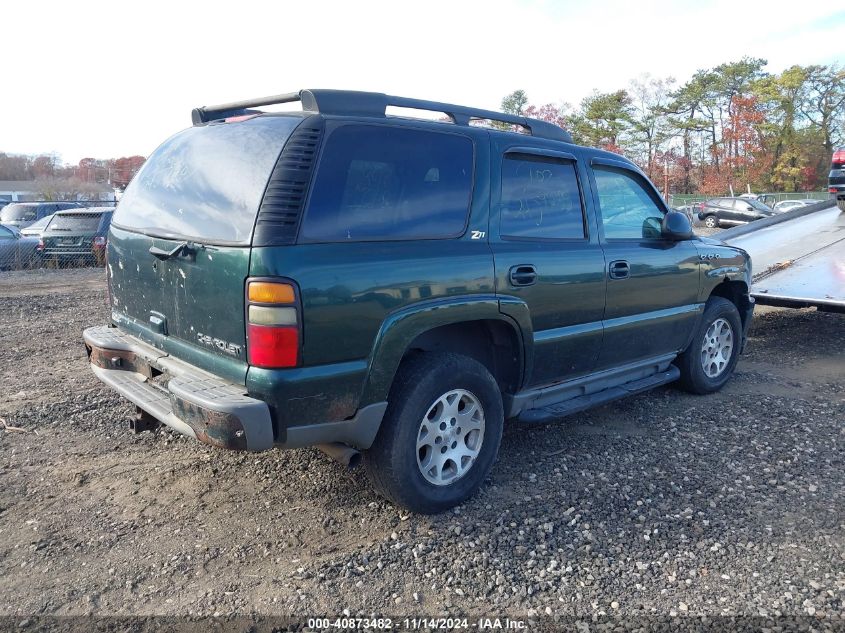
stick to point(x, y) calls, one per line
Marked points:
point(177, 394)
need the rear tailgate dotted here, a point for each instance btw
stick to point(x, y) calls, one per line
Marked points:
point(179, 243)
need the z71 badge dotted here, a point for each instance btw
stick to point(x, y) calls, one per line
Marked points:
point(223, 346)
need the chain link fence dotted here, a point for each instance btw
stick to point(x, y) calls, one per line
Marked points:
point(680, 200)
point(40, 235)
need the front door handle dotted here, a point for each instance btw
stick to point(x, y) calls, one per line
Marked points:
point(620, 269)
point(522, 275)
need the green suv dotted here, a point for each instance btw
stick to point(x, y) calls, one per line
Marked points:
point(395, 289)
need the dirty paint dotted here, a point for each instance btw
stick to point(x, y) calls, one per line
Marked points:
point(118, 359)
point(195, 292)
point(222, 430)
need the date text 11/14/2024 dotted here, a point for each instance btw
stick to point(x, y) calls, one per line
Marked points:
point(417, 624)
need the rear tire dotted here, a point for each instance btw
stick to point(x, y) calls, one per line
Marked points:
point(422, 458)
point(711, 222)
point(709, 360)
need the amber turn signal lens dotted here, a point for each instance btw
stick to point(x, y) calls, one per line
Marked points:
point(268, 292)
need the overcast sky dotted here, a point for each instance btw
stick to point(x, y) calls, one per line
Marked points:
point(109, 79)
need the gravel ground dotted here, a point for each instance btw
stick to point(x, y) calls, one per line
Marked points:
point(662, 504)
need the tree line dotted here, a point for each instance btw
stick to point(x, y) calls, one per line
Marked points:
point(46, 167)
point(727, 128)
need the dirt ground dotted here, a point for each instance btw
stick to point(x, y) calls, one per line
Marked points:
point(665, 503)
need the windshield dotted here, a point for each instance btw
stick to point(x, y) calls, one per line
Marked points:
point(758, 205)
point(206, 182)
point(18, 212)
point(82, 222)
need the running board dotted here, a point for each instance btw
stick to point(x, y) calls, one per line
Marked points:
point(558, 410)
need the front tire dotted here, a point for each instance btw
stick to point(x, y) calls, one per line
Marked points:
point(709, 360)
point(440, 434)
point(711, 222)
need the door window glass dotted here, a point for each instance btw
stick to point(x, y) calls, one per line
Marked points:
point(628, 210)
point(540, 199)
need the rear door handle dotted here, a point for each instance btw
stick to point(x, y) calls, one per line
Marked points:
point(620, 269)
point(522, 275)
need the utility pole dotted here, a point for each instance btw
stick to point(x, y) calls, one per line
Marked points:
point(666, 179)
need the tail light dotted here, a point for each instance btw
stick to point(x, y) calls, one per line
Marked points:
point(832, 190)
point(273, 324)
point(40, 245)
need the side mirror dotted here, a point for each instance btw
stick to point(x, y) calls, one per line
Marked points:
point(676, 226)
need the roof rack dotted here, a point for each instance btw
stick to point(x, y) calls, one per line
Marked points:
point(352, 102)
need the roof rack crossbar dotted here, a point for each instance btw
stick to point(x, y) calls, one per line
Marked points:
point(351, 102)
point(462, 115)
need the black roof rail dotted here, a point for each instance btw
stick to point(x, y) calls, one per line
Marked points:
point(352, 102)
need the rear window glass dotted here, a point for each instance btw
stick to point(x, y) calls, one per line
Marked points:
point(388, 183)
point(206, 182)
point(75, 222)
point(18, 212)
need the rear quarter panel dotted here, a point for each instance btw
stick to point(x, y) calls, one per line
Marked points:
point(348, 292)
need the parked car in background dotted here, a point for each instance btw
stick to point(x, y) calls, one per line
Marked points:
point(37, 227)
point(836, 178)
point(788, 205)
point(16, 250)
point(78, 234)
point(22, 214)
point(732, 211)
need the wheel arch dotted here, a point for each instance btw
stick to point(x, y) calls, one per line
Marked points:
point(735, 291)
point(472, 326)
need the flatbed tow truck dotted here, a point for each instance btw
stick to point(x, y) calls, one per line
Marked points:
point(798, 256)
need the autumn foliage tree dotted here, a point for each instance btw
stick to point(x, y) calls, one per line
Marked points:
point(731, 127)
point(115, 172)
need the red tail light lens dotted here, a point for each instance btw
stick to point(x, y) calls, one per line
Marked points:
point(273, 323)
point(832, 190)
point(273, 347)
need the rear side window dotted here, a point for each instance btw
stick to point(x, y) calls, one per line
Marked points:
point(206, 182)
point(385, 183)
point(540, 199)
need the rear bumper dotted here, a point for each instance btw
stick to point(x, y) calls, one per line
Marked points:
point(177, 394)
point(207, 407)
